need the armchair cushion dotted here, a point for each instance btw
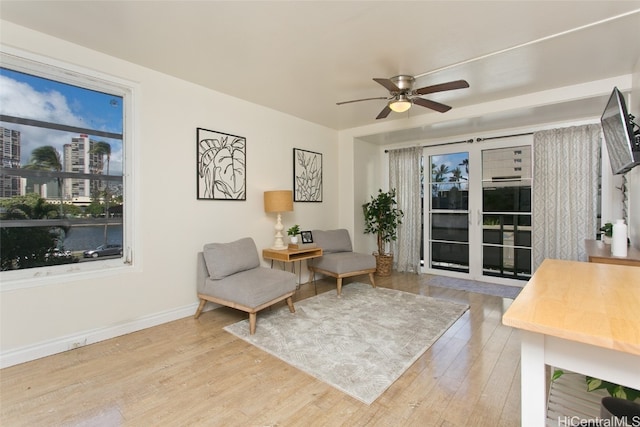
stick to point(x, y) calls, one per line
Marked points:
point(225, 259)
point(333, 240)
point(251, 288)
point(344, 262)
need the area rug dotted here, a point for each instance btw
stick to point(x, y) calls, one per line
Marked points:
point(359, 343)
point(503, 291)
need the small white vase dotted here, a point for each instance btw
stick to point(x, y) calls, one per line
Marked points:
point(619, 239)
point(293, 240)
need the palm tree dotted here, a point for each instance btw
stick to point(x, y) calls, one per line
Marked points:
point(47, 158)
point(438, 174)
point(103, 149)
point(456, 176)
point(465, 163)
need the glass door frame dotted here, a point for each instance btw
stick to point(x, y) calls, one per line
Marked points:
point(475, 210)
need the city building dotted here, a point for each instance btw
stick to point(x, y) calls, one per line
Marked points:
point(10, 158)
point(77, 157)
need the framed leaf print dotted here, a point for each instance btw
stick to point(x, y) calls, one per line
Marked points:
point(221, 169)
point(307, 176)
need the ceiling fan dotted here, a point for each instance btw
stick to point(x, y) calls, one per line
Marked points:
point(402, 95)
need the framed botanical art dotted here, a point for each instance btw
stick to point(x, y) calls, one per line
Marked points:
point(307, 176)
point(221, 166)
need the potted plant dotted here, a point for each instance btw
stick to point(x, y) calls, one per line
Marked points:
point(382, 217)
point(293, 233)
point(607, 232)
point(619, 405)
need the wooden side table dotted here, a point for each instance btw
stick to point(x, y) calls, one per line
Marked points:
point(291, 256)
point(598, 251)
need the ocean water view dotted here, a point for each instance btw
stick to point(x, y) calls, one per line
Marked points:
point(92, 236)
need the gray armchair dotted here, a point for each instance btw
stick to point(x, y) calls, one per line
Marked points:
point(338, 259)
point(230, 274)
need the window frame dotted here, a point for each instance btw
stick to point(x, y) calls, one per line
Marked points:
point(63, 72)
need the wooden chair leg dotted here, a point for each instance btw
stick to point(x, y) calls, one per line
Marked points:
point(339, 284)
point(290, 304)
point(373, 282)
point(252, 323)
point(200, 307)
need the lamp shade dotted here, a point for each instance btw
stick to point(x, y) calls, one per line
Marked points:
point(278, 201)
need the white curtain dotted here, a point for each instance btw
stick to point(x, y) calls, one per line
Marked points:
point(404, 176)
point(565, 196)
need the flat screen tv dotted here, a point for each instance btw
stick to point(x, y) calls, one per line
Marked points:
point(617, 126)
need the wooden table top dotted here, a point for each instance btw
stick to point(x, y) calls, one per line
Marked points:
point(289, 255)
point(591, 303)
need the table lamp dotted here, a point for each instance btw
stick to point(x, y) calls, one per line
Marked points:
point(278, 201)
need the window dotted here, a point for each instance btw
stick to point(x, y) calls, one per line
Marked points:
point(66, 170)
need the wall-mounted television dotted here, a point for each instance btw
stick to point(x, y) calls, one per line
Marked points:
point(623, 145)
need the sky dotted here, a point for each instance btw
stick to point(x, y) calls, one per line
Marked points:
point(23, 95)
point(452, 161)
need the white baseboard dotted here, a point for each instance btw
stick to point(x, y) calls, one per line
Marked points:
point(70, 342)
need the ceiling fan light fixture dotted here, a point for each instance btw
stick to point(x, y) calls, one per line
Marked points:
point(400, 104)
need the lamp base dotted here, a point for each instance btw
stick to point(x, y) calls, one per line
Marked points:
point(279, 244)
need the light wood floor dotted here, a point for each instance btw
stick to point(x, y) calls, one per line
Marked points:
point(191, 373)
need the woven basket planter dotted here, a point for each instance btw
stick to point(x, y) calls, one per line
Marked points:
point(384, 264)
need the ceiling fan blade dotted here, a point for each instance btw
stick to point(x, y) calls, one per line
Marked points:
point(431, 104)
point(456, 84)
point(388, 84)
point(358, 100)
point(384, 113)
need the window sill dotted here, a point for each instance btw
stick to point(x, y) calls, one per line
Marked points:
point(31, 278)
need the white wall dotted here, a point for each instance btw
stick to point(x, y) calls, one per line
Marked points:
point(173, 225)
point(369, 176)
point(633, 176)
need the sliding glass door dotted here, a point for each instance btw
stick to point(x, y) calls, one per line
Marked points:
point(448, 215)
point(477, 217)
point(506, 212)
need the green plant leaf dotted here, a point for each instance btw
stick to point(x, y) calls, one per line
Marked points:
point(557, 374)
point(594, 384)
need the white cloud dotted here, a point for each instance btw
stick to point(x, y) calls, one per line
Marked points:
point(22, 100)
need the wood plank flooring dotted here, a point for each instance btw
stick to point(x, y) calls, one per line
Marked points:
point(192, 373)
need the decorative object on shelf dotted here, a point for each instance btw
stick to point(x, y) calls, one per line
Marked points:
point(307, 236)
point(382, 218)
point(307, 176)
point(619, 412)
point(619, 403)
point(221, 171)
point(293, 234)
point(278, 201)
point(607, 231)
point(619, 239)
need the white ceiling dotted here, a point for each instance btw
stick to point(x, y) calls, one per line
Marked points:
point(301, 57)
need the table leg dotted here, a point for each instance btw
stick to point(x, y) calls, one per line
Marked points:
point(533, 378)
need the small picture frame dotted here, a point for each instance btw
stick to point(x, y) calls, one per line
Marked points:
point(306, 237)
